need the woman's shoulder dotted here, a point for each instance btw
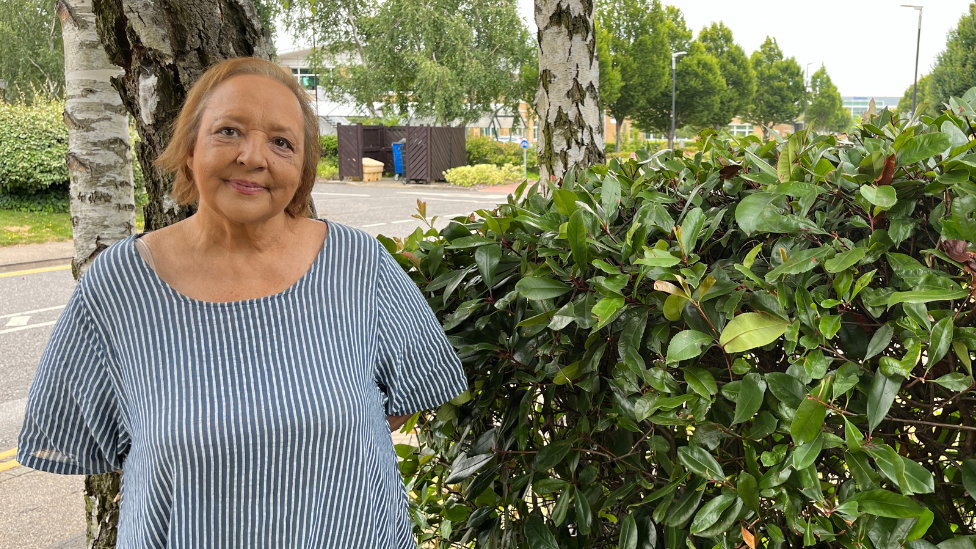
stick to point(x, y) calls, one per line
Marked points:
point(351, 240)
point(113, 264)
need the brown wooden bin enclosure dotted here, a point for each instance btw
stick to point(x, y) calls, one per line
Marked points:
point(427, 154)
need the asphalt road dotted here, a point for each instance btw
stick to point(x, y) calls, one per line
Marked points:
point(43, 511)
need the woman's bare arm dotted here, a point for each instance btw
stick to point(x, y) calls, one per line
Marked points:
point(397, 421)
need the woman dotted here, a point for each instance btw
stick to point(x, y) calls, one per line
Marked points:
point(240, 366)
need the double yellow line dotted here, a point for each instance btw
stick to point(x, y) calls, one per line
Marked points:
point(8, 460)
point(35, 271)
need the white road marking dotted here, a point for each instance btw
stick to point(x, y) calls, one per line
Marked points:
point(19, 328)
point(404, 221)
point(17, 321)
point(372, 225)
point(22, 313)
point(485, 196)
point(457, 200)
point(341, 194)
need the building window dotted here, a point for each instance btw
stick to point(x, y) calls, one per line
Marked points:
point(306, 77)
point(740, 130)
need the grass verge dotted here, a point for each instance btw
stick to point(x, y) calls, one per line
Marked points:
point(36, 227)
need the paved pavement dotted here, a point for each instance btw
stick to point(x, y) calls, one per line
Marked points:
point(44, 511)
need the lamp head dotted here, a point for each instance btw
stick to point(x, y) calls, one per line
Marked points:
point(919, 8)
point(677, 53)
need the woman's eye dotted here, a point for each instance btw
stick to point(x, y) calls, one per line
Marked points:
point(283, 143)
point(228, 132)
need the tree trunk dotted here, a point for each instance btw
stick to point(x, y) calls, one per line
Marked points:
point(101, 196)
point(99, 157)
point(619, 128)
point(568, 94)
point(164, 47)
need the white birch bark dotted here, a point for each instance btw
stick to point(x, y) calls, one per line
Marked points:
point(99, 156)
point(568, 95)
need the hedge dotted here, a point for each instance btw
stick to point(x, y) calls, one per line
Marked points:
point(33, 145)
point(485, 150)
point(761, 345)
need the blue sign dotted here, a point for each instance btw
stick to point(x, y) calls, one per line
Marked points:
point(525, 143)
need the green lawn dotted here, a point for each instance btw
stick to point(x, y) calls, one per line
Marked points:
point(32, 228)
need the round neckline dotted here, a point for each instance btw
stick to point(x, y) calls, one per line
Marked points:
point(319, 258)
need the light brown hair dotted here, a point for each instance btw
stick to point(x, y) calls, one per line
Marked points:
point(187, 125)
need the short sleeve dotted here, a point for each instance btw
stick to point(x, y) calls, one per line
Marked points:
point(72, 424)
point(416, 364)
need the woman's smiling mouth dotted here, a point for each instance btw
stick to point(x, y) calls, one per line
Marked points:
point(244, 186)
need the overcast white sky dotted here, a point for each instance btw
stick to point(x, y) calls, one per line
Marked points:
point(868, 46)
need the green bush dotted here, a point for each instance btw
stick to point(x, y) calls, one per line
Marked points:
point(483, 174)
point(764, 345)
point(33, 145)
point(328, 168)
point(330, 146)
point(53, 199)
point(485, 150)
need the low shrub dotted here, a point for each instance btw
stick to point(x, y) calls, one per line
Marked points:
point(483, 174)
point(485, 150)
point(762, 344)
point(330, 146)
point(328, 168)
point(53, 199)
point(33, 145)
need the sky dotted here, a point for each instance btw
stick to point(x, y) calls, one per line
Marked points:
point(867, 46)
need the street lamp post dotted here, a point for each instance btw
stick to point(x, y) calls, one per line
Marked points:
point(918, 44)
point(674, 73)
point(806, 79)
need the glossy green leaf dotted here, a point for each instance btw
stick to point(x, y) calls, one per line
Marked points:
point(750, 330)
point(487, 258)
point(806, 454)
point(955, 381)
point(748, 490)
point(883, 197)
point(844, 260)
point(925, 296)
point(921, 147)
point(551, 454)
point(880, 341)
point(700, 462)
point(628, 533)
point(710, 512)
point(540, 537)
point(880, 397)
point(700, 381)
point(883, 503)
point(941, 340)
point(687, 344)
point(808, 421)
point(786, 388)
point(750, 398)
point(541, 288)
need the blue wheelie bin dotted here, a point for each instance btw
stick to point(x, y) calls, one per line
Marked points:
point(398, 161)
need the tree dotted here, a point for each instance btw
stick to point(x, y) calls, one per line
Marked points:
point(99, 156)
point(826, 112)
point(921, 97)
point(679, 35)
point(451, 60)
point(163, 49)
point(699, 88)
point(955, 68)
point(610, 79)
point(568, 97)
point(740, 79)
point(637, 42)
point(779, 87)
point(30, 49)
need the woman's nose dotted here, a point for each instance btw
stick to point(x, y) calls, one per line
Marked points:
point(252, 152)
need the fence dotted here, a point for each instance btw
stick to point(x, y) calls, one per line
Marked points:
point(428, 153)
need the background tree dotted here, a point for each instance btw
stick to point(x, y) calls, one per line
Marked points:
point(779, 87)
point(30, 49)
point(740, 79)
point(679, 35)
point(826, 112)
point(637, 41)
point(610, 80)
point(699, 89)
point(922, 96)
point(955, 68)
point(568, 97)
point(99, 156)
point(451, 60)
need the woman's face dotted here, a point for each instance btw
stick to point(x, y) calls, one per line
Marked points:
point(247, 160)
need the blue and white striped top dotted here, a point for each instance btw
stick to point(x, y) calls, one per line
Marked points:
point(251, 424)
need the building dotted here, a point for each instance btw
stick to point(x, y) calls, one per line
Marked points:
point(858, 105)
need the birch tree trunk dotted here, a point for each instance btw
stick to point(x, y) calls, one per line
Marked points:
point(99, 157)
point(163, 48)
point(569, 82)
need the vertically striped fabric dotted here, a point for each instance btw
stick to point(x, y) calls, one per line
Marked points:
point(250, 424)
